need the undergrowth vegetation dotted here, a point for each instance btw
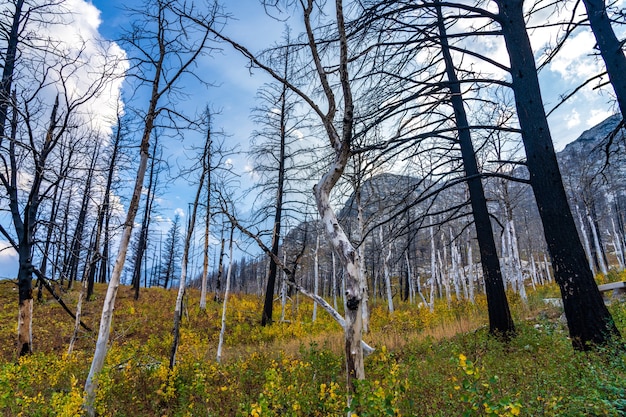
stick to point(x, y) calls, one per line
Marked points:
point(440, 363)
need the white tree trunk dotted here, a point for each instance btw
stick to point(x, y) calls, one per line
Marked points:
point(220, 344)
point(334, 281)
point(431, 294)
point(456, 265)
point(547, 266)
point(506, 270)
point(178, 309)
point(365, 302)
point(617, 245)
point(444, 277)
point(182, 284)
point(596, 244)
point(283, 290)
point(516, 263)
point(352, 280)
point(418, 284)
point(79, 309)
point(586, 244)
point(471, 277)
point(386, 273)
point(316, 276)
point(533, 268)
point(433, 269)
point(109, 300)
point(443, 267)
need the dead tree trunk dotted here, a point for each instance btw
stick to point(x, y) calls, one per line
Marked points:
point(77, 238)
point(220, 344)
point(589, 321)
point(142, 243)
point(25, 228)
point(500, 320)
point(182, 285)
point(610, 48)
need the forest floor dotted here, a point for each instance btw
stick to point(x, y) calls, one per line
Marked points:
point(440, 363)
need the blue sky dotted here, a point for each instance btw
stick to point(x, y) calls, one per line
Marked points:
point(235, 87)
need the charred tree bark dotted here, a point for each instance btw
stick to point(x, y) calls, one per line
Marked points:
point(589, 321)
point(25, 228)
point(610, 48)
point(500, 320)
point(220, 272)
point(207, 214)
point(77, 238)
point(9, 67)
point(145, 227)
point(182, 284)
point(103, 212)
point(54, 209)
point(268, 304)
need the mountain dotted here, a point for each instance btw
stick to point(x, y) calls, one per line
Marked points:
point(394, 221)
point(592, 141)
point(593, 168)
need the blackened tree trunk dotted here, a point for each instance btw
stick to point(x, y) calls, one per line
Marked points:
point(103, 212)
point(268, 305)
point(182, 284)
point(54, 209)
point(142, 243)
point(206, 165)
point(220, 272)
point(103, 270)
point(169, 267)
point(610, 48)
point(500, 320)
point(25, 228)
point(8, 67)
point(77, 238)
point(589, 321)
point(22, 226)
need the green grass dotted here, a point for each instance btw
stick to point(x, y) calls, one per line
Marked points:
point(441, 364)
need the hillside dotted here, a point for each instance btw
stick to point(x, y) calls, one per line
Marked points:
point(426, 364)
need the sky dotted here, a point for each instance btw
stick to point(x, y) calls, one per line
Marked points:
point(234, 89)
point(235, 85)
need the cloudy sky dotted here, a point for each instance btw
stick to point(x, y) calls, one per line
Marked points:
point(234, 94)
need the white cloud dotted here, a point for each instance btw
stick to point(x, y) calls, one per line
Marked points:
point(573, 61)
point(597, 116)
point(573, 119)
point(72, 29)
point(180, 212)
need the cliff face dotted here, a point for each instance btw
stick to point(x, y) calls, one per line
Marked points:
point(594, 171)
point(591, 141)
